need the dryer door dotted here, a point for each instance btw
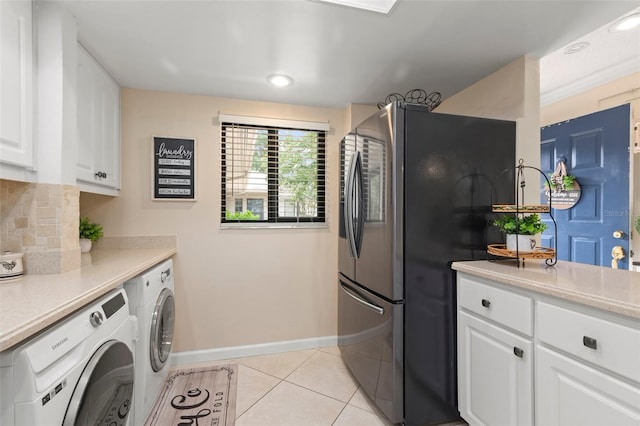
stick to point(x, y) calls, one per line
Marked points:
point(104, 391)
point(162, 323)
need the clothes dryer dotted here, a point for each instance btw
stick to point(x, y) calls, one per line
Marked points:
point(78, 372)
point(151, 300)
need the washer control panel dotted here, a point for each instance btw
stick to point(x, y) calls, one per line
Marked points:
point(96, 319)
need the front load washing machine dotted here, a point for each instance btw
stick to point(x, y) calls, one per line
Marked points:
point(78, 372)
point(151, 300)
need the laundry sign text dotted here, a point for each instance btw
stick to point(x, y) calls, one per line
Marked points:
point(173, 168)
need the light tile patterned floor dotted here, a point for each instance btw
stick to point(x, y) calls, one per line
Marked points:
point(301, 388)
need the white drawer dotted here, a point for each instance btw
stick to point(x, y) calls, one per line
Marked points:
point(504, 307)
point(604, 343)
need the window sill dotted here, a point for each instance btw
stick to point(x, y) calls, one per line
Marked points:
point(292, 225)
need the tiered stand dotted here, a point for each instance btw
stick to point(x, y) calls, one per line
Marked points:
point(546, 253)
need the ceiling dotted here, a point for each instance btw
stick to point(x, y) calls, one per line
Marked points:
point(336, 55)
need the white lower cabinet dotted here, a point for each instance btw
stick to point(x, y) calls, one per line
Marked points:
point(569, 392)
point(495, 374)
point(584, 370)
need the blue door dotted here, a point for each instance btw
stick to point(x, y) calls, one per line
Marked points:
point(595, 149)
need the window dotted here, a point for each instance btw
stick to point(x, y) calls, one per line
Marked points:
point(256, 206)
point(238, 205)
point(278, 172)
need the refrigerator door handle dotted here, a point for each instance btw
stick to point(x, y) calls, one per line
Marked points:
point(359, 196)
point(349, 204)
point(363, 302)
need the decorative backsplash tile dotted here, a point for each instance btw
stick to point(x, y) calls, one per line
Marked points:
point(41, 221)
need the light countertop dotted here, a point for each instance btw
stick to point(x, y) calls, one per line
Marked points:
point(35, 302)
point(604, 288)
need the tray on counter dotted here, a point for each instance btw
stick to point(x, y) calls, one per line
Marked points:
point(537, 253)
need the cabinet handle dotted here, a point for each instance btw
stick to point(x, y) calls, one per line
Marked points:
point(590, 342)
point(486, 303)
point(101, 174)
point(518, 352)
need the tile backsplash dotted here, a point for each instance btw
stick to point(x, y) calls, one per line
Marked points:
point(41, 220)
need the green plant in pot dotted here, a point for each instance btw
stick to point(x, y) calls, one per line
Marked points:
point(519, 230)
point(89, 232)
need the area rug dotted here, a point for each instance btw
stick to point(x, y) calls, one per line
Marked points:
point(197, 396)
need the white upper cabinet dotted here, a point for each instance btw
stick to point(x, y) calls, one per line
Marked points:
point(16, 86)
point(98, 167)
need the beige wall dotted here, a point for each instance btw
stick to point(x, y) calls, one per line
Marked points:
point(618, 92)
point(233, 287)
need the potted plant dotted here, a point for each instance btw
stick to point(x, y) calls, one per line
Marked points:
point(89, 232)
point(562, 183)
point(519, 230)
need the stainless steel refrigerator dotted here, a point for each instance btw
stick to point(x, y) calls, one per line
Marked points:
point(416, 194)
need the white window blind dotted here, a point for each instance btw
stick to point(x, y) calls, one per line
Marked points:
point(277, 172)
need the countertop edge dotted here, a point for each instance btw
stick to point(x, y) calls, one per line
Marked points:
point(45, 319)
point(584, 298)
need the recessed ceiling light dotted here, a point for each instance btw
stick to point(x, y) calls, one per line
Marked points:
point(280, 80)
point(576, 47)
point(380, 6)
point(626, 23)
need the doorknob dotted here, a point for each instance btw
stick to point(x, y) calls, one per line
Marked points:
point(617, 253)
point(618, 234)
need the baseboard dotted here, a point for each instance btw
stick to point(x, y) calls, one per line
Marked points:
point(179, 359)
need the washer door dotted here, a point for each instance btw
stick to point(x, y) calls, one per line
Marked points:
point(104, 391)
point(162, 323)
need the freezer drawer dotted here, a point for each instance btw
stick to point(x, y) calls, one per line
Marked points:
point(370, 341)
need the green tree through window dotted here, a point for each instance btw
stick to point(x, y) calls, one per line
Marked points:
point(283, 167)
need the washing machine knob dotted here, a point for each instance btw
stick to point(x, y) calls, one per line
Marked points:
point(163, 277)
point(96, 318)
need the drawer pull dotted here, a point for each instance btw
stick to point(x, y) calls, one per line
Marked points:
point(590, 342)
point(518, 352)
point(486, 303)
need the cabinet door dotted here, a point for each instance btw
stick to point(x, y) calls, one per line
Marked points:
point(569, 392)
point(16, 84)
point(98, 124)
point(495, 376)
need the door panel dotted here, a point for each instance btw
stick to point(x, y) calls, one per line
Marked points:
point(495, 386)
point(370, 341)
point(571, 393)
point(375, 266)
point(595, 149)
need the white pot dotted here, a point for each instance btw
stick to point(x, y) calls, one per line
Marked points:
point(85, 245)
point(10, 265)
point(525, 243)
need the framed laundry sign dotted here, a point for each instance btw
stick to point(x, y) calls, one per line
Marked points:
point(174, 175)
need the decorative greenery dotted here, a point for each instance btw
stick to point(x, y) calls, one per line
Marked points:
point(567, 181)
point(297, 163)
point(527, 225)
point(248, 215)
point(90, 230)
point(638, 224)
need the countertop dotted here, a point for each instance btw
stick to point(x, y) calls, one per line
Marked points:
point(35, 302)
point(604, 288)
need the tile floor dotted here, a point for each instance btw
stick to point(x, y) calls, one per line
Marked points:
point(301, 388)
